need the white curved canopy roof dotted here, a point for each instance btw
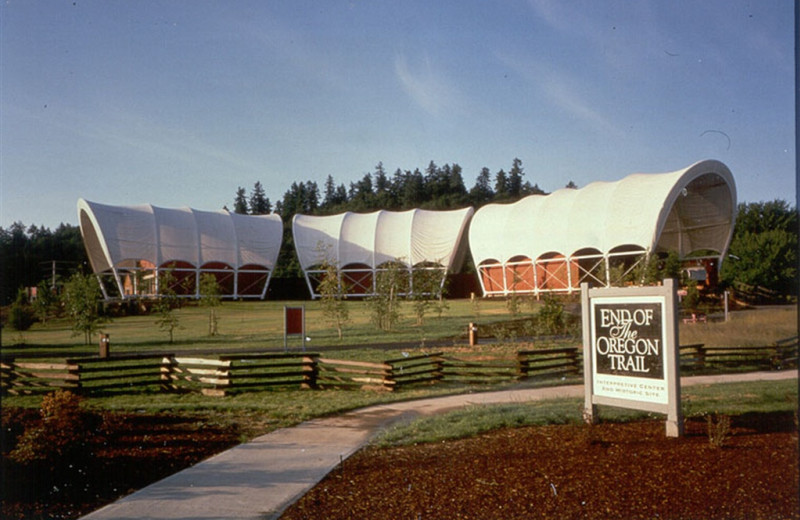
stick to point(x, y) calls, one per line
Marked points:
point(371, 239)
point(686, 211)
point(119, 236)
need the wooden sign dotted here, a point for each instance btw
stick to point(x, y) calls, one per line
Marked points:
point(630, 346)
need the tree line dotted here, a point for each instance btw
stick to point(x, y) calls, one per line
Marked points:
point(435, 188)
point(29, 255)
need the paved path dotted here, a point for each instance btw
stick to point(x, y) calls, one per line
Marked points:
point(261, 478)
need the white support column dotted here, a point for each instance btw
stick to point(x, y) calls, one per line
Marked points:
point(103, 287)
point(266, 285)
point(568, 265)
point(505, 279)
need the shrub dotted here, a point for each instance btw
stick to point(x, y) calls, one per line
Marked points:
point(692, 298)
point(550, 319)
point(21, 316)
point(63, 429)
point(719, 428)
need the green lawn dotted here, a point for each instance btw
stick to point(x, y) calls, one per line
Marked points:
point(254, 325)
point(259, 325)
point(724, 399)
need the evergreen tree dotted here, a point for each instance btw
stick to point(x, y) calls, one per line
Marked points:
point(24, 251)
point(330, 193)
point(413, 190)
point(362, 197)
point(456, 189)
point(259, 203)
point(398, 187)
point(501, 185)
point(311, 198)
point(515, 179)
point(383, 189)
point(341, 194)
point(482, 192)
point(527, 189)
point(302, 197)
point(240, 202)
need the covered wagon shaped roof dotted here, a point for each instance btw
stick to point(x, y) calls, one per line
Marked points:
point(690, 211)
point(146, 239)
point(364, 242)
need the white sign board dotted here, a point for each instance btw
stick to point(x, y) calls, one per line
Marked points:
point(631, 351)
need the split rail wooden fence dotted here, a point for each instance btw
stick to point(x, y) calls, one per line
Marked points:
point(234, 373)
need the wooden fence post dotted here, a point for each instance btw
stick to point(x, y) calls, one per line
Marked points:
point(7, 375)
point(74, 371)
point(472, 332)
point(573, 357)
point(168, 374)
point(389, 381)
point(439, 375)
point(701, 355)
point(311, 370)
point(522, 365)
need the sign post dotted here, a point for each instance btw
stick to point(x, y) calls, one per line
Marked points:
point(294, 323)
point(630, 351)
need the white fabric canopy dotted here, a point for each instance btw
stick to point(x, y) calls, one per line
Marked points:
point(123, 237)
point(686, 211)
point(371, 239)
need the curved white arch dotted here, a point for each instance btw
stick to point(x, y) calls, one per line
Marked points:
point(125, 240)
point(689, 210)
point(372, 239)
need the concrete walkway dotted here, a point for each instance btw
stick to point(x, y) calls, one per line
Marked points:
point(260, 479)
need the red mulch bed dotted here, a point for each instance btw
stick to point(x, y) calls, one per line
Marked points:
point(604, 471)
point(122, 453)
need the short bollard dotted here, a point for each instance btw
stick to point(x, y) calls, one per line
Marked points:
point(105, 345)
point(473, 334)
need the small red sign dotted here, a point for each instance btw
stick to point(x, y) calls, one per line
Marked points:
point(294, 320)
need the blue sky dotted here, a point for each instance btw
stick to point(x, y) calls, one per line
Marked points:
point(177, 103)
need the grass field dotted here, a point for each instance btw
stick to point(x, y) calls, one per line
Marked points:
point(246, 325)
point(727, 399)
point(259, 325)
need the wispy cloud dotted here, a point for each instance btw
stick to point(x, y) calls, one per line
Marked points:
point(564, 91)
point(427, 87)
point(129, 134)
point(604, 30)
